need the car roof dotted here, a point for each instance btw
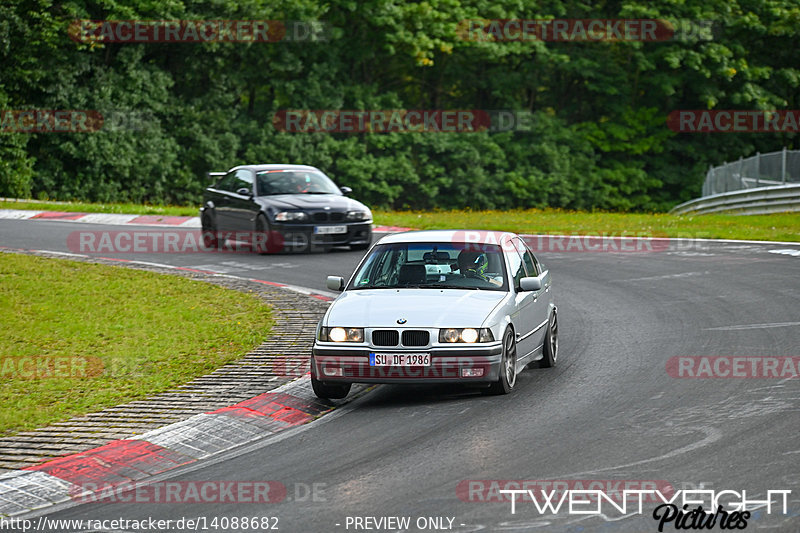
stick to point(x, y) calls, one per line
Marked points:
point(450, 236)
point(275, 166)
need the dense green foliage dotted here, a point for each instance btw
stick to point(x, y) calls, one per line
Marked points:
point(599, 139)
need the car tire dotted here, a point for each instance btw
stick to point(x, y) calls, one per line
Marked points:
point(550, 343)
point(508, 366)
point(262, 226)
point(209, 232)
point(329, 391)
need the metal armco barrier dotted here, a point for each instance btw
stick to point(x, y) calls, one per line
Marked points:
point(764, 183)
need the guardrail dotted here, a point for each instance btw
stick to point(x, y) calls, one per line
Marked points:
point(759, 201)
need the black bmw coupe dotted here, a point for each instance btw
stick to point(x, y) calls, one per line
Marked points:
point(283, 208)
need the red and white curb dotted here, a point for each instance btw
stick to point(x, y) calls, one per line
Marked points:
point(122, 462)
point(166, 448)
point(121, 220)
point(102, 218)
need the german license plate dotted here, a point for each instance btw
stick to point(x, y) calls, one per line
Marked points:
point(399, 359)
point(329, 230)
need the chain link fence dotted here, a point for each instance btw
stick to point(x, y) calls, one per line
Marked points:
point(761, 170)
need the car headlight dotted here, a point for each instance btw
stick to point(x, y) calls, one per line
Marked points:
point(468, 335)
point(339, 334)
point(358, 215)
point(291, 216)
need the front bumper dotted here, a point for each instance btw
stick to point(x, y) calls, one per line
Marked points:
point(303, 236)
point(341, 364)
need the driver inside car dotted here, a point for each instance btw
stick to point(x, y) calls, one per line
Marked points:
point(473, 265)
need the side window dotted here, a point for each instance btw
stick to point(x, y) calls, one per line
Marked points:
point(530, 263)
point(515, 264)
point(244, 178)
point(228, 183)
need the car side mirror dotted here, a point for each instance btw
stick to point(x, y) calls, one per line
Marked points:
point(335, 283)
point(346, 190)
point(530, 284)
point(244, 191)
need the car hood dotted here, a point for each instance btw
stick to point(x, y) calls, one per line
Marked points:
point(421, 308)
point(311, 201)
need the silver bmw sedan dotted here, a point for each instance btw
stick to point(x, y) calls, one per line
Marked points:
point(456, 306)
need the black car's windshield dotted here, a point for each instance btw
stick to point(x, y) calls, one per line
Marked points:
point(270, 182)
point(433, 266)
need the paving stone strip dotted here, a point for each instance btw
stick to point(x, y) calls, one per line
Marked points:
point(283, 357)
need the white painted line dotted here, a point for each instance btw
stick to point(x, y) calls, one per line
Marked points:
point(67, 254)
point(754, 326)
point(795, 253)
point(665, 276)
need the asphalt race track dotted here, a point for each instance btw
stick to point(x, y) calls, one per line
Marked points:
point(609, 411)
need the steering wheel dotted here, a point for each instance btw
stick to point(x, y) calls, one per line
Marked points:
point(474, 275)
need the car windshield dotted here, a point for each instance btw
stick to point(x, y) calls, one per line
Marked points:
point(432, 266)
point(270, 182)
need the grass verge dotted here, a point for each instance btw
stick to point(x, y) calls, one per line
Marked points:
point(78, 337)
point(778, 227)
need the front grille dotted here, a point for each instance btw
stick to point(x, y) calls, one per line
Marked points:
point(385, 337)
point(320, 217)
point(416, 338)
point(337, 217)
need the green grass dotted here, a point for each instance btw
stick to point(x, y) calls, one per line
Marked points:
point(100, 335)
point(82, 207)
point(780, 227)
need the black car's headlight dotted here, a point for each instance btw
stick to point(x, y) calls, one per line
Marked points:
point(291, 216)
point(358, 215)
point(468, 335)
point(339, 334)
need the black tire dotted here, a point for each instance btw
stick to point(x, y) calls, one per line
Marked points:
point(262, 226)
point(550, 343)
point(329, 391)
point(209, 232)
point(508, 366)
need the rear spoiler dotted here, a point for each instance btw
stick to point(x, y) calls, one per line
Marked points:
point(212, 175)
